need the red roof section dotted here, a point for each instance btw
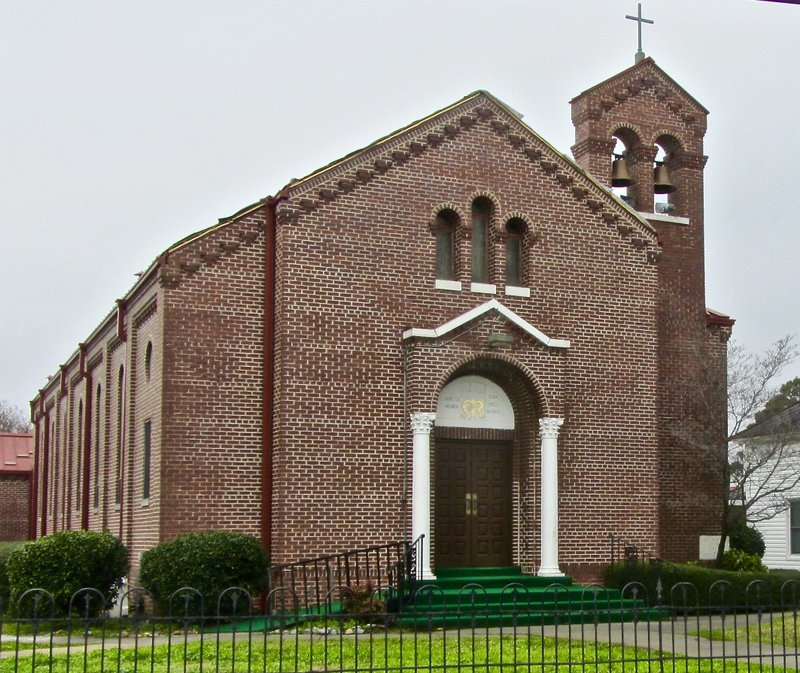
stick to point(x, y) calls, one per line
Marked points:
point(16, 452)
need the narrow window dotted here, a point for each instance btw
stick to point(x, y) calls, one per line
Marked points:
point(96, 489)
point(515, 230)
point(54, 476)
point(78, 461)
point(120, 423)
point(481, 211)
point(445, 245)
point(794, 526)
point(146, 460)
point(148, 360)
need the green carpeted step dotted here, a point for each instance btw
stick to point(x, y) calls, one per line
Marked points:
point(449, 578)
point(500, 596)
point(522, 606)
point(508, 598)
point(474, 572)
point(496, 581)
point(533, 618)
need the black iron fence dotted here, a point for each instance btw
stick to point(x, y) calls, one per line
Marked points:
point(588, 629)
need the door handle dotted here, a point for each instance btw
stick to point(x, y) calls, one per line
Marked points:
point(471, 504)
point(468, 498)
point(474, 504)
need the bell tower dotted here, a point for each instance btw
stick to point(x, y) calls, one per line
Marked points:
point(651, 131)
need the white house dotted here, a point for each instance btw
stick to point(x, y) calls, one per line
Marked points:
point(768, 454)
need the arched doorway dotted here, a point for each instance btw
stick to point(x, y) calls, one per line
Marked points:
point(473, 485)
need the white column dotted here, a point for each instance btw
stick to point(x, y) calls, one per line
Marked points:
point(548, 428)
point(421, 424)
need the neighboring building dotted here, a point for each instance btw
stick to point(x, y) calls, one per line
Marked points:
point(776, 514)
point(457, 331)
point(16, 492)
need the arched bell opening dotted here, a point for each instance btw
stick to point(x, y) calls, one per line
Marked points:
point(622, 177)
point(664, 187)
point(484, 499)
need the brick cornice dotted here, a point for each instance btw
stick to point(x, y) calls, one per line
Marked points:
point(594, 103)
point(480, 112)
point(688, 160)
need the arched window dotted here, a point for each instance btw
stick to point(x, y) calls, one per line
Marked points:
point(481, 214)
point(96, 488)
point(446, 222)
point(148, 360)
point(78, 456)
point(147, 438)
point(515, 232)
point(120, 433)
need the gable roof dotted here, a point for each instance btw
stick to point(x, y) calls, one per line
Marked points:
point(646, 66)
point(786, 421)
point(323, 184)
point(478, 311)
point(16, 452)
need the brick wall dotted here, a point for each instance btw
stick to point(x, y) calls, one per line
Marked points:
point(212, 387)
point(14, 499)
point(643, 107)
point(357, 269)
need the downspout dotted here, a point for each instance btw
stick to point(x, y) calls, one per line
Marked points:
point(45, 472)
point(33, 485)
point(405, 430)
point(122, 335)
point(267, 387)
point(87, 439)
point(121, 457)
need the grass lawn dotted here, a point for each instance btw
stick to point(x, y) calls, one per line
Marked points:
point(783, 631)
point(395, 653)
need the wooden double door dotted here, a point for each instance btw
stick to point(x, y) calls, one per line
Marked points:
point(473, 503)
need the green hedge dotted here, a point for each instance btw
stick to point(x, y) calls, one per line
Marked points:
point(64, 563)
point(209, 562)
point(747, 539)
point(5, 589)
point(769, 591)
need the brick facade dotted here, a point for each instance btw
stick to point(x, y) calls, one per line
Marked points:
point(16, 469)
point(354, 251)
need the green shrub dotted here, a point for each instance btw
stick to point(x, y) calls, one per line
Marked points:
point(5, 590)
point(66, 562)
point(747, 539)
point(709, 586)
point(209, 562)
point(740, 561)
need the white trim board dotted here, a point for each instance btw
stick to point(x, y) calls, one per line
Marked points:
point(491, 305)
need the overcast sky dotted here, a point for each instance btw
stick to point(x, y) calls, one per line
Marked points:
point(125, 126)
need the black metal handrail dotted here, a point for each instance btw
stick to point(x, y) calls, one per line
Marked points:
point(387, 571)
point(623, 550)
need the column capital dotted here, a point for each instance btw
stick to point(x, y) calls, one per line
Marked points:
point(549, 427)
point(422, 422)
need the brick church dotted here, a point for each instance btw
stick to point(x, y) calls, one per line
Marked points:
point(457, 331)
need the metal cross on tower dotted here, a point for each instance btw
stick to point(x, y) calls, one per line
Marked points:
point(639, 20)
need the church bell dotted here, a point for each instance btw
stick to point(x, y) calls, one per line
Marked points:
point(661, 181)
point(620, 177)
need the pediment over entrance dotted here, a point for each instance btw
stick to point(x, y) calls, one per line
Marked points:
point(491, 305)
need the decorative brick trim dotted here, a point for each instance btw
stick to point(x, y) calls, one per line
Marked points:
point(145, 313)
point(448, 205)
point(538, 394)
point(672, 135)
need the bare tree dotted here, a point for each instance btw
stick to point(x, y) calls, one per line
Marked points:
point(722, 459)
point(13, 419)
point(763, 462)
